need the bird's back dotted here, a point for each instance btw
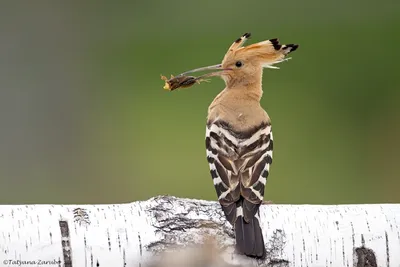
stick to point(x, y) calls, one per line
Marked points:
point(239, 152)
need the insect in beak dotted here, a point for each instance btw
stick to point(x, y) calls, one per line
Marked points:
point(184, 81)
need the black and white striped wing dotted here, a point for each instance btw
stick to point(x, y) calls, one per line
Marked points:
point(256, 153)
point(239, 165)
point(222, 154)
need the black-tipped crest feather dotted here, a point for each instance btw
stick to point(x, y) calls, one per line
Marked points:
point(243, 38)
point(275, 43)
point(247, 35)
point(290, 47)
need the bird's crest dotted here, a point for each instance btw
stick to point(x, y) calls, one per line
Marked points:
point(268, 52)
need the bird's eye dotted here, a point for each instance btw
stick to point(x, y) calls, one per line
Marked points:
point(239, 64)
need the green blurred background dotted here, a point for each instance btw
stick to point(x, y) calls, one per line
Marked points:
point(84, 118)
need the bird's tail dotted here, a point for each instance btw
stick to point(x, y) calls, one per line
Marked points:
point(249, 238)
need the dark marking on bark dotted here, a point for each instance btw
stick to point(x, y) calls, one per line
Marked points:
point(84, 241)
point(26, 245)
point(369, 229)
point(91, 259)
point(344, 254)
point(65, 243)
point(81, 216)
point(362, 240)
point(109, 240)
point(294, 255)
point(97, 263)
point(124, 258)
point(114, 213)
point(51, 238)
point(126, 235)
point(365, 257)
point(353, 235)
point(276, 243)
point(278, 263)
point(387, 250)
point(140, 244)
point(159, 245)
point(304, 245)
point(337, 225)
point(119, 242)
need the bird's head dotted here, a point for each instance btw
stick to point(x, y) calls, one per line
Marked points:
point(243, 65)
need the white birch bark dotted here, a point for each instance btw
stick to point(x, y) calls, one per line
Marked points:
point(131, 234)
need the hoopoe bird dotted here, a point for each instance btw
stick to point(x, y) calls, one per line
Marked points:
point(239, 139)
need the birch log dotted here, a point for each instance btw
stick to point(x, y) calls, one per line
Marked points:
point(132, 234)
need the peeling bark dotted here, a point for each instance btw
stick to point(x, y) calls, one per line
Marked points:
point(134, 234)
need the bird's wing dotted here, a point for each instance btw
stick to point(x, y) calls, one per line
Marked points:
point(239, 165)
point(222, 154)
point(256, 154)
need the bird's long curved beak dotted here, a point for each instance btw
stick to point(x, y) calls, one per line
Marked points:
point(217, 67)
